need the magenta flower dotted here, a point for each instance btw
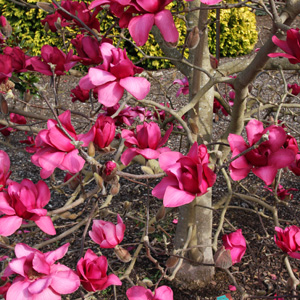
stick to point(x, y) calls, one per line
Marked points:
point(148, 142)
point(76, 8)
point(141, 293)
point(236, 243)
point(128, 115)
point(25, 200)
point(38, 277)
point(187, 176)
point(185, 86)
point(152, 13)
point(88, 50)
point(265, 160)
point(105, 130)
point(295, 165)
point(51, 55)
point(291, 46)
point(288, 240)
point(139, 16)
point(78, 94)
point(4, 169)
point(18, 58)
point(295, 88)
point(106, 234)
point(282, 193)
point(92, 270)
point(55, 148)
point(6, 68)
point(115, 74)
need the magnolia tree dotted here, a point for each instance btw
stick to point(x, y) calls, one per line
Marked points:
point(120, 120)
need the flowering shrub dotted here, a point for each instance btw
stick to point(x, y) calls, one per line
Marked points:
point(91, 173)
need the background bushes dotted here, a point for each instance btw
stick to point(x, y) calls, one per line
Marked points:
point(238, 33)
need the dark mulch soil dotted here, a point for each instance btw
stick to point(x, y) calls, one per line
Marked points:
point(261, 272)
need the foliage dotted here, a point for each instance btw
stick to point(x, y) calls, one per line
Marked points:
point(238, 33)
point(28, 32)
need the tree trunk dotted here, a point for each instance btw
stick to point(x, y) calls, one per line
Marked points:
point(198, 215)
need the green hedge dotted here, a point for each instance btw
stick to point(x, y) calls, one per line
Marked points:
point(238, 33)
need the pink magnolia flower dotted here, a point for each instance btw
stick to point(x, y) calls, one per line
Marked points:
point(4, 169)
point(105, 130)
point(18, 58)
point(76, 8)
point(295, 165)
point(265, 160)
point(187, 176)
point(151, 13)
point(128, 115)
point(5, 67)
point(148, 142)
point(51, 55)
point(295, 88)
point(291, 143)
point(88, 50)
point(55, 149)
point(79, 94)
point(291, 46)
point(25, 200)
point(106, 234)
point(14, 118)
point(185, 86)
point(218, 106)
point(236, 243)
point(288, 240)
point(92, 270)
point(38, 277)
point(141, 293)
point(4, 287)
point(139, 16)
point(282, 193)
point(115, 74)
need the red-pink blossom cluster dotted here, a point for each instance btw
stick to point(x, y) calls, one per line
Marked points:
point(55, 148)
point(288, 240)
point(107, 234)
point(37, 275)
point(187, 176)
point(148, 142)
point(116, 74)
point(291, 46)
point(141, 293)
point(76, 8)
point(267, 158)
point(236, 243)
point(92, 270)
point(25, 201)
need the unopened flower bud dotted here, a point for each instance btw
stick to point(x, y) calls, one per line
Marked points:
point(91, 149)
point(122, 254)
point(223, 258)
point(161, 213)
point(99, 180)
point(172, 262)
point(193, 38)
point(109, 170)
point(115, 188)
point(4, 106)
